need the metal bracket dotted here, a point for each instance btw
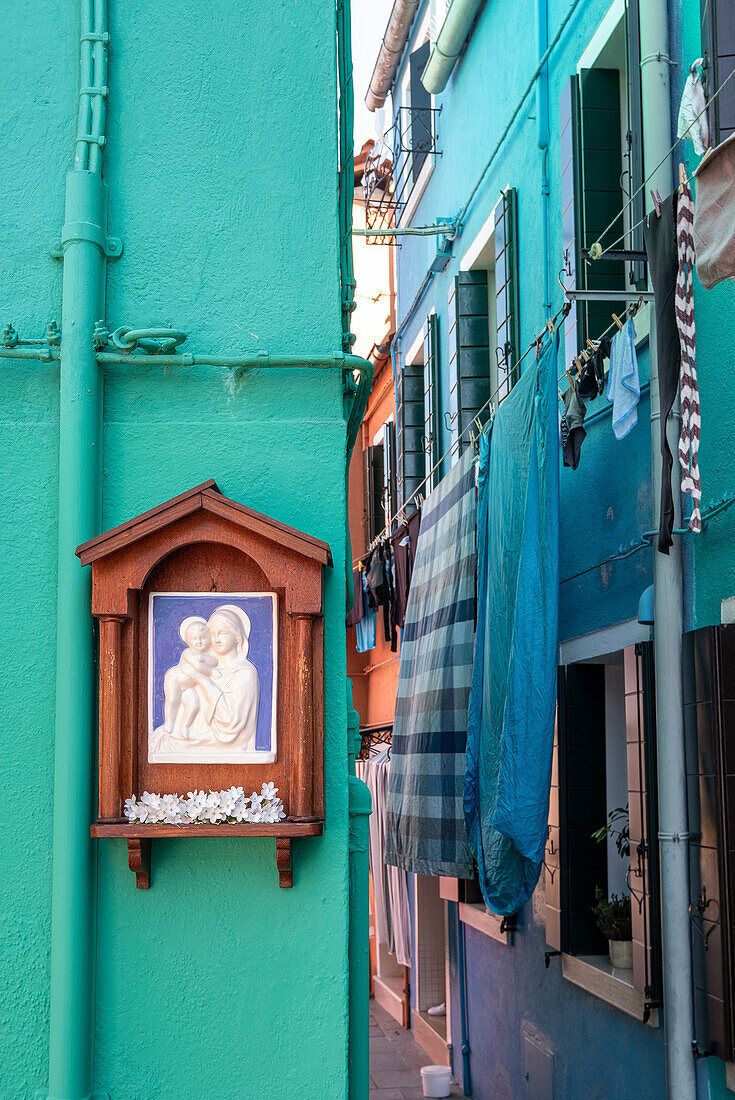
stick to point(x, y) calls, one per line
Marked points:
point(112, 247)
point(648, 1007)
point(548, 956)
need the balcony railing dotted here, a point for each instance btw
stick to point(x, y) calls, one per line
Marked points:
point(394, 166)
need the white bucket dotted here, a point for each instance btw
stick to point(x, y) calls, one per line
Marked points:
point(436, 1080)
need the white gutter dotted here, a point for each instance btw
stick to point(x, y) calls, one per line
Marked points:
point(449, 44)
point(391, 49)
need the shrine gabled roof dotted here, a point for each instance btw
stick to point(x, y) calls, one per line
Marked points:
point(204, 497)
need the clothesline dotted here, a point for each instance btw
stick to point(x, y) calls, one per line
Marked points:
point(474, 423)
point(649, 177)
point(629, 311)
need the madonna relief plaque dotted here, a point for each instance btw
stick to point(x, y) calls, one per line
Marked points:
point(211, 635)
point(212, 676)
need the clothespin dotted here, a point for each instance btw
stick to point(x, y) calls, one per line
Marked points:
point(538, 348)
point(585, 355)
point(683, 181)
point(550, 326)
point(617, 321)
point(591, 344)
point(570, 380)
point(657, 200)
point(578, 365)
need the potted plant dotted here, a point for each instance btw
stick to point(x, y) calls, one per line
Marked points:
point(613, 919)
point(612, 915)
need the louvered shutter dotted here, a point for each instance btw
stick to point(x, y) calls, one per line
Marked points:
point(431, 401)
point(571, 207)
point(603, 198)
point(420, 110)
point(709, 718)
point(636, 192)
point(411, 459)
point(469, 353)
point(376, 518)
point(506, 291)
point(718, 49)
point(390, 503)
point(643, 878)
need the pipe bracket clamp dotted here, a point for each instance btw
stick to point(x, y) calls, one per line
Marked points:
point(112, 247)
point(674, 837)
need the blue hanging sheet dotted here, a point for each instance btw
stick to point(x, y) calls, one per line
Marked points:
point(512, 702)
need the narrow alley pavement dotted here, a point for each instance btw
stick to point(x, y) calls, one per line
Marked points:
point(395, 1060)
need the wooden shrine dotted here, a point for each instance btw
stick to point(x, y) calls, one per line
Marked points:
point(211, 672)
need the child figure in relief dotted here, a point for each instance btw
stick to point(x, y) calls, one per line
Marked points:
point(182, 699)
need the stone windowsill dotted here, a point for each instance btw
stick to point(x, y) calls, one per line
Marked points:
point(596, 974)
point(480, 917)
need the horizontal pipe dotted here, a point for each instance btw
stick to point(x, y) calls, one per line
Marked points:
point(441, 230)
point(449, 44)
point(43, 355)
point(338, 361)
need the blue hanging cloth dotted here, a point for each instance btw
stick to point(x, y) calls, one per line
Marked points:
point(513, 697)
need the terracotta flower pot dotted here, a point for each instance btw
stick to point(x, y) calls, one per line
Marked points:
point(621, 954)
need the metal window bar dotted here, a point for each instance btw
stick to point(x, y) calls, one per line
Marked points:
point(394, 167)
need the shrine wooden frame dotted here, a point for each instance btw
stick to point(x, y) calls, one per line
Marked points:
point(208, 538)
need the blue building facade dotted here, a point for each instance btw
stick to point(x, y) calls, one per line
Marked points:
point(541, 163)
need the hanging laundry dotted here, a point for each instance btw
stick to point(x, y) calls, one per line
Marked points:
point(623, 384)
point(390, 610)
point(692, 123)
point(591, 382)
point(511, 712)
point(660, 238)
point(714, 215)
point(358, 608)
point(404, 551)
point(425, 827)
point(379, 588)
point(365, 628)
point(690, 416)
point(390, 887)
point(572, 427)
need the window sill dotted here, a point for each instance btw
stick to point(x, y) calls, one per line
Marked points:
point(595, 974)
point(480, 918)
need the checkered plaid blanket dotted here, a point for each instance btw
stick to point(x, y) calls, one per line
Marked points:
point(425, 824)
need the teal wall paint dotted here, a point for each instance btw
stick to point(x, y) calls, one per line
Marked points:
point(221, 169)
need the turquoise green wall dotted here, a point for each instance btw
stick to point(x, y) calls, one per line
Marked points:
point(712, 553)
point(221, 168)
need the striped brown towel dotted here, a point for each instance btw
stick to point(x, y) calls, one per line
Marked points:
point(690, 415)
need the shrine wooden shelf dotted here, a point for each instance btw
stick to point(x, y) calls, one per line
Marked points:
point(139, 839)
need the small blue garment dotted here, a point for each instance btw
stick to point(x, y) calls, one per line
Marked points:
point(365, 629)
point(623, 386)
point(513, 698)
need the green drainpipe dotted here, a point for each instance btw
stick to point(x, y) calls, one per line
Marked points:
point(449, 44)
point(84, 244)
point(358, 1056)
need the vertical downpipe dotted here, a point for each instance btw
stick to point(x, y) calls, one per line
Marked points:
point(73, 881)
point(669, 620)
point(358, 1057)
point(542, 114)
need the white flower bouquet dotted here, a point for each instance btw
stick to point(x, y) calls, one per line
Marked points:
point(211, 808)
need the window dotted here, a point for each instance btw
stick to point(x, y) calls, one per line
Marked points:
point(605, 760)
point(379, 472)
point(431, 400)
point(718, 49)
point(601, 169)
point(506, 294)
point(469, 352)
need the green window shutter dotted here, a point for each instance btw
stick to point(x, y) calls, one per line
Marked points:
point(420, 110)
point(506, 291)
point(390, 503)
point(431, 400)
point(469, 352)
point(602, 166)
point(411, 461)
point(718, 49)
point(373, 468)
point(571, 209)
point(636, 192)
